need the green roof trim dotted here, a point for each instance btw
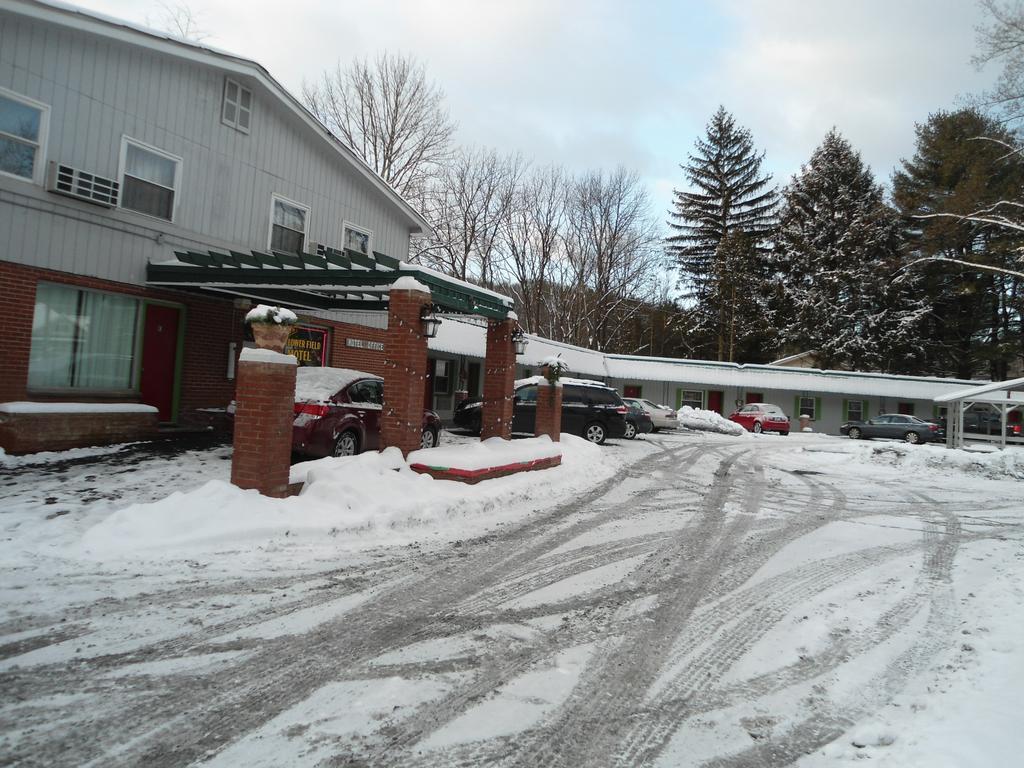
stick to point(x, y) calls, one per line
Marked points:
point(336, 280)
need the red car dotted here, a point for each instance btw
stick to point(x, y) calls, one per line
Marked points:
point(337, 413)
point(761, 417)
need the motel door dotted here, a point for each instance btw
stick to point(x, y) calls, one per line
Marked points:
point(715, 398)
point(159, 356)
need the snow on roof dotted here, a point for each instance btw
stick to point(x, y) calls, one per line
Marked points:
point(318, 385)
point(66, 14)
point(408, 283)
point(791, 358)
point(1013, 385)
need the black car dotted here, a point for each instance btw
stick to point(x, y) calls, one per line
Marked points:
point(589, 409)
point(638, 422)
point(987, 423)
point(895, 425)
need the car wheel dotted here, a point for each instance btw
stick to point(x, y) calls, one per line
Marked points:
point(429, 438)
point(757, 428)
point(854, 433)
point(594, 432)
point(347, 444)
point(630, 430)
point(784, 434)
point(912, 437)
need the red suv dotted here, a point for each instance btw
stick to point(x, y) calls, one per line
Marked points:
point(761, 417)
point(337, 413)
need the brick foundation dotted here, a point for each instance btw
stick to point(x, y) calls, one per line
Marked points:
point(32, 432)
point(549, 411)
point(499, 380)
point(405, 369)
point(473, 476)
point(263, 427)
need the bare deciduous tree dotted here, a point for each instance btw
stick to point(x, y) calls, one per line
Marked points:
point(390, 115)
point(180, 20)
point(531, 236)
point(613, 254)
point(1001, 41)
point(468, 204)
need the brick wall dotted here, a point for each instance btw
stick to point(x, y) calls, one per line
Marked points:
point(31, 432)
point(210, 325)
point(549, 411)
point(263, 427)
point(344, 356)
point(499, 380)
point(401, 422)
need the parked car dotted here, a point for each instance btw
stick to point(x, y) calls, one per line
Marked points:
point(637, 421)
point(662, 417)
point(986, 423)
point(761, 417)
point(589, 409)
point(337, 413)
point(894, 425)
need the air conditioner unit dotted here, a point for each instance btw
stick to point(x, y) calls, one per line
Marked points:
point(82, 185)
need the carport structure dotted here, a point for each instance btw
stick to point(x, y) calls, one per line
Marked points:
point(339, 280)
point(1003, 397)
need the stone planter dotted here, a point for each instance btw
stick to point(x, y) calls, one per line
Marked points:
point(271, 336)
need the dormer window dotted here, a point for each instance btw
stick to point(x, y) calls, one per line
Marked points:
point(237, 108)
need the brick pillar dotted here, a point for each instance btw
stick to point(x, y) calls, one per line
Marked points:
point(549, 411)
point(499, 380)
point(264, 412)
point(405, 371)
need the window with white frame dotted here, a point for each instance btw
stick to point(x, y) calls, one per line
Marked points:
point(82, 339)
point(149, 180)
point(357, 239)
point(23, 124)
point(855, 410)
point(237, 108)
point(288, 222)
point(691, 397)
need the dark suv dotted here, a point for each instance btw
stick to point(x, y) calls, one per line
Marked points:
point(589, 409)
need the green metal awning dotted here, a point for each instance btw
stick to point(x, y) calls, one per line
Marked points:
point(330, 280)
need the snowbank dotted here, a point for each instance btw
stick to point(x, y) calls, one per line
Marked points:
point(995, 464)
point(372, 495)
point(27, 407)
point(707, 421)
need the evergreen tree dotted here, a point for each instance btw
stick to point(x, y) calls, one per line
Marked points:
point(730, 195)
point(837, 254)
point(962, 166)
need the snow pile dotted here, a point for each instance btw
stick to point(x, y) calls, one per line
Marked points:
point(318, 385)
point(265, 313)
point(409, 283)
point(707, 421)
point(370, 496)
point(47, 457)
point(493, 452)
point(995, 464)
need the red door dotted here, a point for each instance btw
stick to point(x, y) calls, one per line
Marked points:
point(754, 397)
point(715, 401)
point(159, 355)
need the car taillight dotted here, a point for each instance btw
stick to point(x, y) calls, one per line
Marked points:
point(933, 427)
point(312, 409)
point(622, 409)
point(1015, 429)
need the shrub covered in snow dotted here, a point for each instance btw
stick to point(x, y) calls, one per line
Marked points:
point(265, 313)
point(707, 421)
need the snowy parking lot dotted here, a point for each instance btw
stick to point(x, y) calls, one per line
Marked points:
point(683, 599)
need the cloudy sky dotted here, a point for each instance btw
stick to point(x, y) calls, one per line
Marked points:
point(598, 83)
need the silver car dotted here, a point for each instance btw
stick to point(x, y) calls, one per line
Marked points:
point(662, 416)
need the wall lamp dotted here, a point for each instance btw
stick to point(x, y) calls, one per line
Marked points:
point(430, 322)
point(519, 339)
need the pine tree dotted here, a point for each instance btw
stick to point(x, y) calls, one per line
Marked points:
point(730, 195)
point(961, 166)
point(838, 258)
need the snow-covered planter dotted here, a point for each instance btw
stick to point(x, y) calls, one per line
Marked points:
point(552, 368)
point(271, 326)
